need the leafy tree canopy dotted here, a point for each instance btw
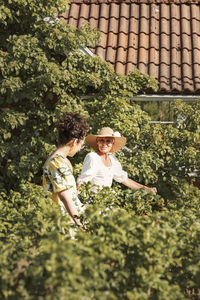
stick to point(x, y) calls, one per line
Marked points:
point(43, 72)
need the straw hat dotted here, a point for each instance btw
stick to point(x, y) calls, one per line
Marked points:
point(119, 141)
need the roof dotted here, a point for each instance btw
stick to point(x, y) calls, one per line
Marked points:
point(160, 38)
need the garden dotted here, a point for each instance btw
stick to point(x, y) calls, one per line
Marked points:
point(136, 245)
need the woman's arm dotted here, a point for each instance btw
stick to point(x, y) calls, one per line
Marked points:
point(78, 188)
point(136, 186)
point(66, 198)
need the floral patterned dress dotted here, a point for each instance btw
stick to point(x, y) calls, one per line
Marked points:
point(58, 176)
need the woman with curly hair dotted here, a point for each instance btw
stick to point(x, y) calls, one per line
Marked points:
point(58, 172)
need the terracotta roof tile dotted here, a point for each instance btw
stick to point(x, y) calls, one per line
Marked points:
point(159, 37)
point(135, 1)
point(195, 43)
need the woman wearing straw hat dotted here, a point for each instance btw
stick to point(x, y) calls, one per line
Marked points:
point(101, 167)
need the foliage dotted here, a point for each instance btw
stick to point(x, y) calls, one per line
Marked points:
point(43, 73)
point(136, 245)
point(122, 254)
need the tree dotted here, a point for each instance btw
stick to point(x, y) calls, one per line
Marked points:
point(44, 73)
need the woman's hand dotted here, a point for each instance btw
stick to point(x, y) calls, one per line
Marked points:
point(153, 190)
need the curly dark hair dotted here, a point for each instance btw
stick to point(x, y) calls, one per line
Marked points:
point(71, 126)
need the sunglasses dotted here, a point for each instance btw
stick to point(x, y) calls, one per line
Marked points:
point(107, 141)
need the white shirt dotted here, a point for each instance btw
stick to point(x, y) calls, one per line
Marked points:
point(98, 174)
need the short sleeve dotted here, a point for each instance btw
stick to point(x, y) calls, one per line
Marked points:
point(60, 174)
point(89, 169)
point(119, 174)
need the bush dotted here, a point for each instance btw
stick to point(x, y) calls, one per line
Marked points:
point(123, 254)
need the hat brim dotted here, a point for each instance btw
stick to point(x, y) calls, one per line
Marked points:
point(119, 142)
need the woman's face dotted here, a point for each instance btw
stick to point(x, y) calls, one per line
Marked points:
point(105, 144)
point(76, 147)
